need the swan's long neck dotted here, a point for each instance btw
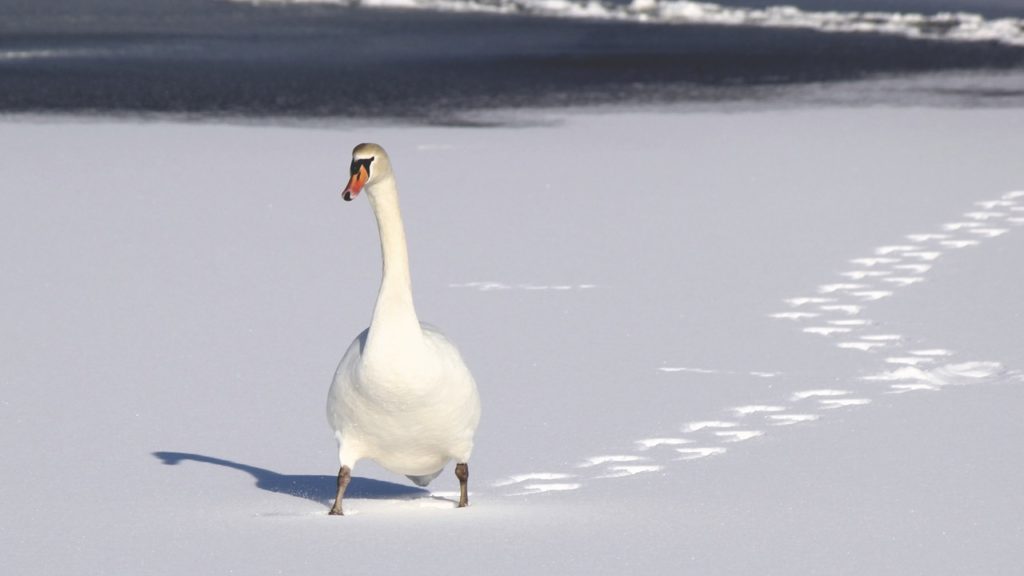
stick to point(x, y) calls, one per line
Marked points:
point(395, 329)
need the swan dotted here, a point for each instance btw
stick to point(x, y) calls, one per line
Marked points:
point(402, 395)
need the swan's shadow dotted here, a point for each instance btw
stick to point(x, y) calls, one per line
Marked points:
point(320, 489)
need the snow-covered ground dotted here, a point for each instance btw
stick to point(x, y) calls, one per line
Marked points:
point(761, 342)
point(944, 26)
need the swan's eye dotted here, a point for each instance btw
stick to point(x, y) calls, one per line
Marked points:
point(363, 163)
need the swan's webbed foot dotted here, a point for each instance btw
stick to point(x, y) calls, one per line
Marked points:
point(462, 473)
point(344, 476)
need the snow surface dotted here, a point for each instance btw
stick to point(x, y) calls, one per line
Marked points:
point(176, 297)
point(944, 26)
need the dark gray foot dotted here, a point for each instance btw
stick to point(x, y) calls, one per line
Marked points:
point(462, 473)
point(344, 475)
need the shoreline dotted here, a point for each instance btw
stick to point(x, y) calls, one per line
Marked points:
point(956, 90)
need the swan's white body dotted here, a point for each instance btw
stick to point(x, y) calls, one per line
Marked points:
point(410, 416)
point(402, 396)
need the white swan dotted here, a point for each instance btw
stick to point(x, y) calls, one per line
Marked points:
point(402, 395)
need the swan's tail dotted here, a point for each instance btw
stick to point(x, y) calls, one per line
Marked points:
point(425, 479)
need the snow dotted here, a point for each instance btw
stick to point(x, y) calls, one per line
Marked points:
point(176, 297)
point(945, 26)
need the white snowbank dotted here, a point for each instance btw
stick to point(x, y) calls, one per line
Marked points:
point(947, 26)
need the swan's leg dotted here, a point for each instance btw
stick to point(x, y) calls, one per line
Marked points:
point(344, 475)
point(462, 473)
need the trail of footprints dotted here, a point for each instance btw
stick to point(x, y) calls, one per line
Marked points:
point(835, 311)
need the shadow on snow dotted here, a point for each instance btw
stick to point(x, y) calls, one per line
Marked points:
point(317, 488)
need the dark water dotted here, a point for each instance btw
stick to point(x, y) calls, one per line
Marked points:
point(213, 58)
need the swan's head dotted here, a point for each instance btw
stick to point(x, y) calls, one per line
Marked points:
point(370, 164)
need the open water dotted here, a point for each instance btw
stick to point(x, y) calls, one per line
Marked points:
point(435, 60)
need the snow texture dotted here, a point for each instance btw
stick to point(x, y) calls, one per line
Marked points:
point(176, 297)
point(942, 26)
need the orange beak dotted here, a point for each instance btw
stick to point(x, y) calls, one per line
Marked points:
point(355, 184)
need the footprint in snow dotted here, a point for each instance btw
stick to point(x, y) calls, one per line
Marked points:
point(738, 435)
point(862, 345)
point(876, 261)
point(984, 215)
point(827, 330)
point(648, 443)
point(828, 398)
point(520, 478)
point(852, 322)
point(848, 309)
point(822, 393)
point(621, 471)
point(531, 489)
point(832, 404)
point(708, 424)
point(698, 453)
point(926, 237)
point(790, 419)
point(757, 409)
